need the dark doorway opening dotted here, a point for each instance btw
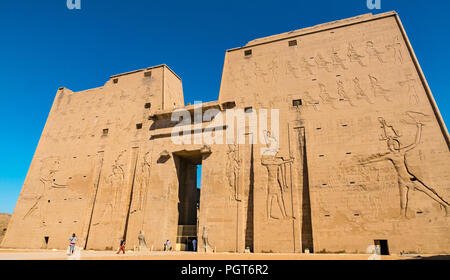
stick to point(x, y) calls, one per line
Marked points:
point(383, 245)
point(188, 164)
point(46, 238)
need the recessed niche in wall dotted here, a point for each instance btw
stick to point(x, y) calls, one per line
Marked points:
point(148, 105)
point(148, 74)
point(105, 131)
point(292, 43)
point(115, 81)
point(248, 52)
point(138, 126)
point(248, 109)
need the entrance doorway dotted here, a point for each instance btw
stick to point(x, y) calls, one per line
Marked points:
point(383, 245)
point(188, 164)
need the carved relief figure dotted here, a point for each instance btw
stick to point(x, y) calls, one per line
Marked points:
point(273, 69)
point(50, 166)
point(322, 63)
point(337, 61)
point(378, 89)
point(310, 101)
point(325, 96)
point(271, 144)
point(142, 179)
point(396, 49)
point(410, 84)
point(114, 182)
point(373, 52)
point(233, 166)
point(397, 156)
point(260, 73)
point(360, 94)
point(341, 92)
point(305, 66)
point(354, 56)
point(276, 184)
point(291, 69)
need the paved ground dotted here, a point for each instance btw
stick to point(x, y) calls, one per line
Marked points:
point(109, 255)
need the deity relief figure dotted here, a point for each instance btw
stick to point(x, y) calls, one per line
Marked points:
point(397, 156)
point(336, 60)
point(276, 184)
point(396, 49)
point(291, 69)
point(341, 92)
point(305, 66)
point(378, 89)
point(232, 169)
point(142, 180)
point(354, 56)
point(114, 181)
point(310, 101)
point(325, 96)
point(360, 94)
point(322, 63)
point(373, 52)
point(410, 84)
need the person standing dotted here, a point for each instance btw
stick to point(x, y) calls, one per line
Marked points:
point(166, 245)
point(73, 241)
point(194, 245)
point(122, 246)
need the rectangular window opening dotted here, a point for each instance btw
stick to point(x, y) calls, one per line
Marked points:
point(292, 43)
point(138, 126)
point(248, 52)
point(296, 102)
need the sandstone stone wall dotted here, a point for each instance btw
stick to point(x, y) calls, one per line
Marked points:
point(363, 153)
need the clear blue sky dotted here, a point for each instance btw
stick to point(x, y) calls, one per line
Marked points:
point(43, 46)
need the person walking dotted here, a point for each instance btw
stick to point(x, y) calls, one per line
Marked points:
point(73, 240)
point(122, 246)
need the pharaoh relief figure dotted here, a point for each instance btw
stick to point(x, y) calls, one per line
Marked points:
point(232, 169)
point(50, 167)
point(276, 178)
point(396, 155)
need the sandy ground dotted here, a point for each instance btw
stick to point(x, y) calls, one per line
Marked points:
point(110, 255)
